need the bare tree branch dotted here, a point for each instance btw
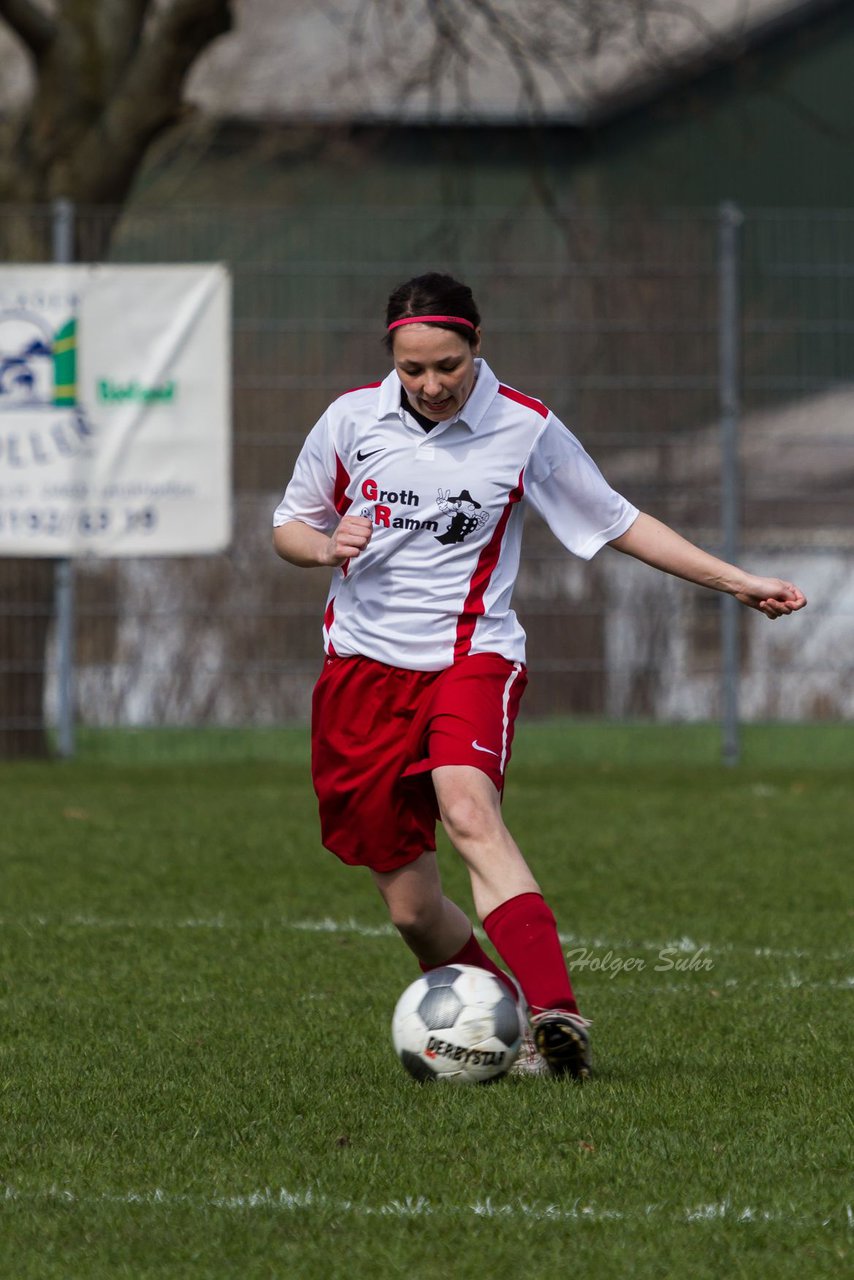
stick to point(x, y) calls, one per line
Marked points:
point(513, 45)
point(176, 37)
point(30, 23)
point(149, 98)
point(119, 25)
point(548, 49)
point(654, 42)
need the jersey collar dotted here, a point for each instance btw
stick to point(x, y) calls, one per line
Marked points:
point(471, 414)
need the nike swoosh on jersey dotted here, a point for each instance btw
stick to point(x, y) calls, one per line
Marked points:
point(478, 747)
point(363, 457)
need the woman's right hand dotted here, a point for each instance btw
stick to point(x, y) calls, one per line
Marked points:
point(349, 540)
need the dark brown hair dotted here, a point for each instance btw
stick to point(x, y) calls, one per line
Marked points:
point(434, 294)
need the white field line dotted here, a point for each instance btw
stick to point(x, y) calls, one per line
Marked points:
point(674, 947)
point(284, 1201)
point(615, 959)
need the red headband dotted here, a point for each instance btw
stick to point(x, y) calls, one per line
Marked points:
point(395, 324)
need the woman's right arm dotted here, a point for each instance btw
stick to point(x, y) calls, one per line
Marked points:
point(309, 548)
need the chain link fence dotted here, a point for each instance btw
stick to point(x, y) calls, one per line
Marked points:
point(703, 357)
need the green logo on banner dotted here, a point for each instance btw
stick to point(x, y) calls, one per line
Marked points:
point(65, 365)
point(110, 392)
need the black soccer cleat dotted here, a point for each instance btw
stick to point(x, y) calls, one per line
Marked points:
point(561, 1037)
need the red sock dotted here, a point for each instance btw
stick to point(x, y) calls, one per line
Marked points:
point(473, 953)
point(524, 933)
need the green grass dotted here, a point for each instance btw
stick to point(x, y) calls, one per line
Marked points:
point(572, 741)
point(195, 1069)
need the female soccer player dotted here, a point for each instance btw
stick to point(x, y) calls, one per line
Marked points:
point(412, 491)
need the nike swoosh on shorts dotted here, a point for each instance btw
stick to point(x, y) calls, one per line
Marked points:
point(478, 747)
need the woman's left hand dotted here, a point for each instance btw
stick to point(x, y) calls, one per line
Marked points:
point(771, 596)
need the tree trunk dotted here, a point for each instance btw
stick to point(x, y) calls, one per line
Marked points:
point(109, 79)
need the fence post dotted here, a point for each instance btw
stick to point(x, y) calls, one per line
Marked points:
point(730, 220)
point(63, 252)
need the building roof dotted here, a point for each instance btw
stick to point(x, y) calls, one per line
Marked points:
point(382, 61)
point(498, 62)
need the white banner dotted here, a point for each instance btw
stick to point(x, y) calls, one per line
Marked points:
point(115, 410)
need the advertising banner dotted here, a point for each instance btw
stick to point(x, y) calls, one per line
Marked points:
point(115, 410)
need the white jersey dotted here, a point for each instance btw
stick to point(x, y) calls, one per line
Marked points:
point(434, 583)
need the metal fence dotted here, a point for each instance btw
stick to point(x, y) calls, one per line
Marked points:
point(705, 358)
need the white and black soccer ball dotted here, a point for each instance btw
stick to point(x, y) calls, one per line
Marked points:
point(457, 1023)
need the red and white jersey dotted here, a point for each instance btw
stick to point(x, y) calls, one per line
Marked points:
point(434, 583)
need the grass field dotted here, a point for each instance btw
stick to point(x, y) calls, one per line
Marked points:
point(195, 1066)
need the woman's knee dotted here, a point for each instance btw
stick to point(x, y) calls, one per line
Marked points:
point(469, 804)
point(468, 818)
point(415, 919)
point(413, 896)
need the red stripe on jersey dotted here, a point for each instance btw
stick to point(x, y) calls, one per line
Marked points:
point(369, 386)
point(342, 502)
point(342, 479)
point(528, 401)
point(328, 619)
point(487, 560)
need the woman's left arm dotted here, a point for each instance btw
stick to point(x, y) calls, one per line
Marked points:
point(658, 545)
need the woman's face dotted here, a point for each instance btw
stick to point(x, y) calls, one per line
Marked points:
point(436, 367)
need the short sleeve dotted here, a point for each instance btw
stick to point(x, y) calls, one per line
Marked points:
point(310, 495)
point(565, 486)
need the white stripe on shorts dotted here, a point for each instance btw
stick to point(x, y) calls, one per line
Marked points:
point(505, 703)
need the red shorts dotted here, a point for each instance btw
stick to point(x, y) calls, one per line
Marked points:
point(378, 731)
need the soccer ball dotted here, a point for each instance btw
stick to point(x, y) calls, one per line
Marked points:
point(457, 1023)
